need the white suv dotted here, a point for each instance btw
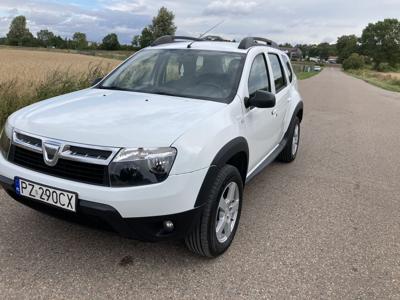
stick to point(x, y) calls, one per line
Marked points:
point(161, 147)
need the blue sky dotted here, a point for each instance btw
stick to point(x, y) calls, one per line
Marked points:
point(301, 21)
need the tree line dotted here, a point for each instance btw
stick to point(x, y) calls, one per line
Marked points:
point(20, 35)
point(378, 45)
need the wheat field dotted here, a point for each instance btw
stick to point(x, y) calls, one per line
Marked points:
point(28, 66)
point(28, 76)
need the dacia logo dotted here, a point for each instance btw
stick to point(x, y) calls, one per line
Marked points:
point(51, 150)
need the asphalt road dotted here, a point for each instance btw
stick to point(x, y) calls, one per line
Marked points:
point(325, 226)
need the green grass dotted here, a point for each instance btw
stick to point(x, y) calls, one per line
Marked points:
point(58, 82)
point(304, 70)
point(379, 79)
point(306, 75)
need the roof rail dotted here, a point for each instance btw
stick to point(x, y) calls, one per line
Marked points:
point(167, 39)
point(248, 42)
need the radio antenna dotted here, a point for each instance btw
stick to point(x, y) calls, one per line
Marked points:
point(203, 34)
point(215, 26)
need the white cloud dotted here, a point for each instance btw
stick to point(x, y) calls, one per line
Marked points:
point(125, 6)
point(229, 7)
point(301, 21)
point(65, 19)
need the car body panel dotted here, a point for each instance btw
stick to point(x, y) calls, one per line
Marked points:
point(114, 118)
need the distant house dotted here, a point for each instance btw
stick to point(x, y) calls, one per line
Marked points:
point(294, 53)
point(332, 59)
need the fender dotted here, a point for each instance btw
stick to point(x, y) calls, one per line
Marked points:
point(297, 109)
point(292, 112)
point(235, 146)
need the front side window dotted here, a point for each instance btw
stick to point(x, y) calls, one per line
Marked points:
point(277, 71)
point(288, 67)
point(258, 78)
point(210, 75)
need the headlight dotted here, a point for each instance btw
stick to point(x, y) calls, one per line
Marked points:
point(5, 140)
point(132, 167)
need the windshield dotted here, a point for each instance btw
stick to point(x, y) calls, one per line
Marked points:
point(209, 75)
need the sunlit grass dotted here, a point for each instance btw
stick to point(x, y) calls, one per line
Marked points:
point(56, 82)
point(387, 81)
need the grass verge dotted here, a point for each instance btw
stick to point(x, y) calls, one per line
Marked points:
point(57, 82)
point(306, 75)
point(385, 81)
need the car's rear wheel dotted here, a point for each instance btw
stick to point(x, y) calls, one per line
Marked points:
point(289, 153)
point(217, 227)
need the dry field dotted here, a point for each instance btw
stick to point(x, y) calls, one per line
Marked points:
point(27, 65)
point(394, 75)
point(28, 76)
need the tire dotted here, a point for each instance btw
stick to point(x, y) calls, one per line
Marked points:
point(289, 153)
point(204, 239)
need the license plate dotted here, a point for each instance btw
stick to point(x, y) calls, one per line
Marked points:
point(60, 198)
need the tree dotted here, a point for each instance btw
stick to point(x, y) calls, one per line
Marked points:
point(19, 34)
point(162, 24)
point(346, 45)
point(146, 38)
point(79, 40)
point(45, 38)
point(136, 41)
point(381, 41)
point(323, 51)
point(286, 45)
point(354, 62)
point(58, 42)
point(110, 42)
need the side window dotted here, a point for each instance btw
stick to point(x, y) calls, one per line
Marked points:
point(277, 71)
point(288, 67)
point(258, 78)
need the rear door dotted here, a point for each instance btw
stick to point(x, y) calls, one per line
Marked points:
point(282, 93)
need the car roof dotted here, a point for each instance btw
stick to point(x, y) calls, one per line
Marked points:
point(211, 46)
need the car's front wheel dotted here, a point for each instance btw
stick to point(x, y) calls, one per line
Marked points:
point(217, 227)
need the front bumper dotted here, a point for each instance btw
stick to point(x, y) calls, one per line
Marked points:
point(135, 212)
point(144, 228)
point(178, 193)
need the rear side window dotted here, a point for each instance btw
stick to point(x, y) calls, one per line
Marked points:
point(258, 79)
point(277, 71)
point(288, 68)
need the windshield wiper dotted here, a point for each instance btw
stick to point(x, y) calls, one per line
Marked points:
point(115, 88)
point(162, 93)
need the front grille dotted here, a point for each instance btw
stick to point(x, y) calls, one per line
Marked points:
point(30, 140)
point(91, 153)
point(68, 169)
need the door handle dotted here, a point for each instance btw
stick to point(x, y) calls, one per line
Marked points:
point(274, 112)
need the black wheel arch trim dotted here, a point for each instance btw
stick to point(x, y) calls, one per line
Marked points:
point(232, 148)
point(299, 107)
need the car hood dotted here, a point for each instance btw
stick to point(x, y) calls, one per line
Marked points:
point(113, 118)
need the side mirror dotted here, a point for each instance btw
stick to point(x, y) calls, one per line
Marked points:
point(96, 81)
point(261, 99)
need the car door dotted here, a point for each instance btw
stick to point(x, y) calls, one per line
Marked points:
point(282, 92)
point(260, 123)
